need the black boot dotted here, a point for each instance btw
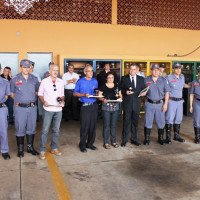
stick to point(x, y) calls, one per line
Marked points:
point(20, 145)
point(176, 133)
point(197, 135)
point(147, 132)
point(168, 133)
point(30, 148)
point(160, 136)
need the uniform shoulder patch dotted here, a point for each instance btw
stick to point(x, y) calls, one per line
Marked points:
point(173, 80)
point(149, 83)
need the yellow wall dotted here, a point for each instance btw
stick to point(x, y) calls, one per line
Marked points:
point(102, 41)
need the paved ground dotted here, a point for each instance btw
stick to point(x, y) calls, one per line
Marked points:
point(152, 172)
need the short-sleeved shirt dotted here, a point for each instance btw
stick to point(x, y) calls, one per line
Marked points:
point(195, 88)
point(157, 89)
point(24, 90)
point(86, 86)
point(4, 89)
point(176, 85)
point(109, 93)
point(67, 76)
point(50, 95)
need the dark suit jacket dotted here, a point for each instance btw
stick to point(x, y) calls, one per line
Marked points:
point(131, 102)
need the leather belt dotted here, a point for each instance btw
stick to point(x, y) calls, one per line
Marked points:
point(155, 102)
point(25, 105)
point(88, 104)
point(175, 99)
point(2, 105)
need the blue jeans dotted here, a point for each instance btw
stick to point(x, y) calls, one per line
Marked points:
point(48, 117)
point(109, 125)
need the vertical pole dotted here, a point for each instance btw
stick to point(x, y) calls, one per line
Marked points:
point(114, 11)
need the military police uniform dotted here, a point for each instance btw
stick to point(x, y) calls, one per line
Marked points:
point(195, 89)
point(174, 113)
point(25, 109)
point(153, 106)
point(4, 91)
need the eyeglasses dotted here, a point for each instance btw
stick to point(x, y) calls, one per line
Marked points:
point(90, 71)
point(54, 87)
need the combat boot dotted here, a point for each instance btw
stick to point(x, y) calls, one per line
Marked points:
point(168, 133)
point(197, 135)
point(147, 132)
point(160, 136)
point(176, 133)
point(30, 148)
point(20, 145)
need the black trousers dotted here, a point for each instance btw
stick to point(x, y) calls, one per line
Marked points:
point(130, 117)
point(88, 125)
point(70, 105)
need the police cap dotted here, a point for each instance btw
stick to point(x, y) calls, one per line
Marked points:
point(155, 66)
point(25, 63)
point(176, 65)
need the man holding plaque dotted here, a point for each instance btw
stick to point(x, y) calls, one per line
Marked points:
point(131, 86)
point(51, 94)
point(85, 90)
point(156, 104)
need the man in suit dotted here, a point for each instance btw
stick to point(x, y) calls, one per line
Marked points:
point(101, 77)
point(131, 86)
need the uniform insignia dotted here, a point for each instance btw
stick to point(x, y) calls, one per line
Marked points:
point(149, 83)
point(173, 80)
point(18, 82)
point(196, 84)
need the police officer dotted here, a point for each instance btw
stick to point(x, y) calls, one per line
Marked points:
point(195, 106)
point(24, 88)
point(5, 91)
point(174, 113)
point(156, 104)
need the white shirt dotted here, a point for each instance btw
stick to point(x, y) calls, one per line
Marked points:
point(135, 79)
point(46, 90)
point(67, 76)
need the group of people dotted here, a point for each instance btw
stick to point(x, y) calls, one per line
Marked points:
point(163, 95)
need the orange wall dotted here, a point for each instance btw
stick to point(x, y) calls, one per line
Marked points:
point(85, 40)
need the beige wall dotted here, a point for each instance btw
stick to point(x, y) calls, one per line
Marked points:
point(85, 40)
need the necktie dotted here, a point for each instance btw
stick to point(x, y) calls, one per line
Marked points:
point(133, 82)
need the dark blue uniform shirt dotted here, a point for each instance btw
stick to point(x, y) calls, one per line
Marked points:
point(176, 85)
point(195, 88)
point(4, 89)
point(157, 89)
point(24, 90)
